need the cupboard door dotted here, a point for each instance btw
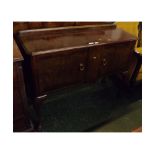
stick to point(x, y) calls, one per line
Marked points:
point(123, 55)
point(115, 57)
point(61, 69)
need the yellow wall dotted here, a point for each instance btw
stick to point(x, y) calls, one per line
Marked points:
point(131, 27)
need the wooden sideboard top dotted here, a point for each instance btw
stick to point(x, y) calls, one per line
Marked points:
point(18, 26)
point(16, 52)
point(54, 39)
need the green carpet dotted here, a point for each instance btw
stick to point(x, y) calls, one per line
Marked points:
point(129, 121)
point(82, 107)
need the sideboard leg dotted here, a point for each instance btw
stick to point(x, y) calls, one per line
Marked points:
point(37, 102)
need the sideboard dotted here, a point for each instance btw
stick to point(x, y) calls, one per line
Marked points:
point(59, 57)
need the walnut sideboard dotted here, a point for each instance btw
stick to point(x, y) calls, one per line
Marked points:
point(58, 57)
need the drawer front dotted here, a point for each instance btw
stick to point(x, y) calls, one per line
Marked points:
point(61, 69)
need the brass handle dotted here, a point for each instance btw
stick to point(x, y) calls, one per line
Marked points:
point(94, 57)
point(104, 62)
point(82, 67)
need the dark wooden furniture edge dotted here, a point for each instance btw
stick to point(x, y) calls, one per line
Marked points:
point(137, 68)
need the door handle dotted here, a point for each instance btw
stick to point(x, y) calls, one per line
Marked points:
point(82, 67)
point(104, 62)
point(94, 57)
